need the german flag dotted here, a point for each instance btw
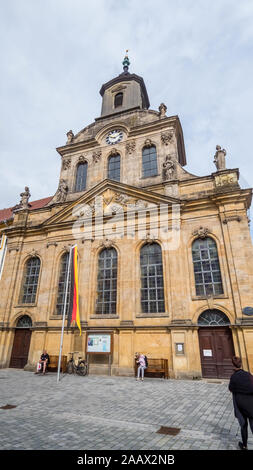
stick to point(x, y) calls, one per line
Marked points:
point(73, 311)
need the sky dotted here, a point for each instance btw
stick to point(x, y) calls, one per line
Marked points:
point(194, 55)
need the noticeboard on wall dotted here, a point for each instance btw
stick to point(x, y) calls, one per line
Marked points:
point(99, 343)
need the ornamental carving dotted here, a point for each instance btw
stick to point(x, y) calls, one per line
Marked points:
point(114, 152)
point(148, 143)
point(62, 191)
point(166, 137)
point(150, 238)
point(66, 163)
point(96, 156)
point(226, 180)
point(33, 253)
point(106, 243)
point(82, 159)
point(169, 168)
point(201, 232)
point(130, 146)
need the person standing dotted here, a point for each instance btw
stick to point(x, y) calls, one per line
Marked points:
point(141, 366)
point(241, 386)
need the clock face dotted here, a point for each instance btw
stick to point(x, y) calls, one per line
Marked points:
point(114, 137)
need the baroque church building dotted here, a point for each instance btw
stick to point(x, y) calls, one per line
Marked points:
point(165, 258)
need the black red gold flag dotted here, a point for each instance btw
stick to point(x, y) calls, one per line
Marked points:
point(73, 310)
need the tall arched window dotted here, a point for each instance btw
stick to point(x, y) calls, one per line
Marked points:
point(114, 167)
point(206, 267)
point(118, 100)
point(152, 293)
point(62, 282)
point(81, 176)
point(107, 282)
point(149, 161)
point(30, 281)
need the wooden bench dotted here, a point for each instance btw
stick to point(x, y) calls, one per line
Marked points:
point(53, 364)
point(156, 367)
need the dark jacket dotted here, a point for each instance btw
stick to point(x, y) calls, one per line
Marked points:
point(241, 385)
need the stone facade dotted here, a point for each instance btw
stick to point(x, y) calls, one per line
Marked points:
point(212, 206)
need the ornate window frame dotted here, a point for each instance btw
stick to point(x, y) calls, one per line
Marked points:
point(204, 233)
point(22, 274)
point(148, 144)
point(78, 164)
point(137, 274)
point(95, 252)
point(113, 154)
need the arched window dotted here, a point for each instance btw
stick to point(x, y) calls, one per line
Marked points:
point(24, 322)
point(62, 285)
point(149, 161)
point(118, 100)
point(213, 318)
point(152, 294)
point(206, 267)
point(114, 167)
point(107, 282)
point(30, 281)
point(81, 176)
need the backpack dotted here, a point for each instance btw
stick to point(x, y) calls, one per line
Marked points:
point(146, 361)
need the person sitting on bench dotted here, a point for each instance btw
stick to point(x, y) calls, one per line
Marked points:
point(42, 364)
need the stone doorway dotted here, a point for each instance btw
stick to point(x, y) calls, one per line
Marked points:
point(216, 345)
point(21, 343)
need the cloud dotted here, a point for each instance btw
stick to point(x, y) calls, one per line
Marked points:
point(195, 56)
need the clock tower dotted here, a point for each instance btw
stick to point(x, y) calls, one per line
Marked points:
point(125, 92)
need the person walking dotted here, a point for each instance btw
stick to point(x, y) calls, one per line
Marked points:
point(241, 386)
point(141, 366)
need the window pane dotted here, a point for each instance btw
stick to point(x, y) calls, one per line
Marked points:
point(81, 176)
point(107, 282)
point(206, 267)
point(62, 284)
point(152, 293)
point(149, 162)
point(30, 281)
point(114, 168)
point(118, 100)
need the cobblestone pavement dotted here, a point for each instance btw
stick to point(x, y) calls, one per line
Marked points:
point(98, 413)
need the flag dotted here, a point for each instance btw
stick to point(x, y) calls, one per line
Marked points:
point(73, 310)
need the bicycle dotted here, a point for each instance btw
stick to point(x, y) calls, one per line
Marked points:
point(80, 368)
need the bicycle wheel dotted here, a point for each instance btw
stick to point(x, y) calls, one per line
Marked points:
point(82, 369)
point(70, 368)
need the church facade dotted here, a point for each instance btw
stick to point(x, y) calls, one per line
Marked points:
point(165, 257)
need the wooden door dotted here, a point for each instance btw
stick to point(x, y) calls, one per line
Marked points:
point(216, 352)
point(20, 349)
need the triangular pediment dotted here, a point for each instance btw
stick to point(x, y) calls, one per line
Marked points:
point(107, 198)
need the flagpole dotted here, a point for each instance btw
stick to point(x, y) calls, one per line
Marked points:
point(63, 318)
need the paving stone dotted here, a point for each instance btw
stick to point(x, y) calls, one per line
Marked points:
point(96, 412)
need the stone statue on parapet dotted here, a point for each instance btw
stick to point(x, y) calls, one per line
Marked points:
point(70, 136)
point(25, 198)
point(162, 110)
point(219, 158)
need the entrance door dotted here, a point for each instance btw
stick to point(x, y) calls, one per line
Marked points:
point(216, 352)
point(20, 348)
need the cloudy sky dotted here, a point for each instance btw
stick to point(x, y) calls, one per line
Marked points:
point(194, 55)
